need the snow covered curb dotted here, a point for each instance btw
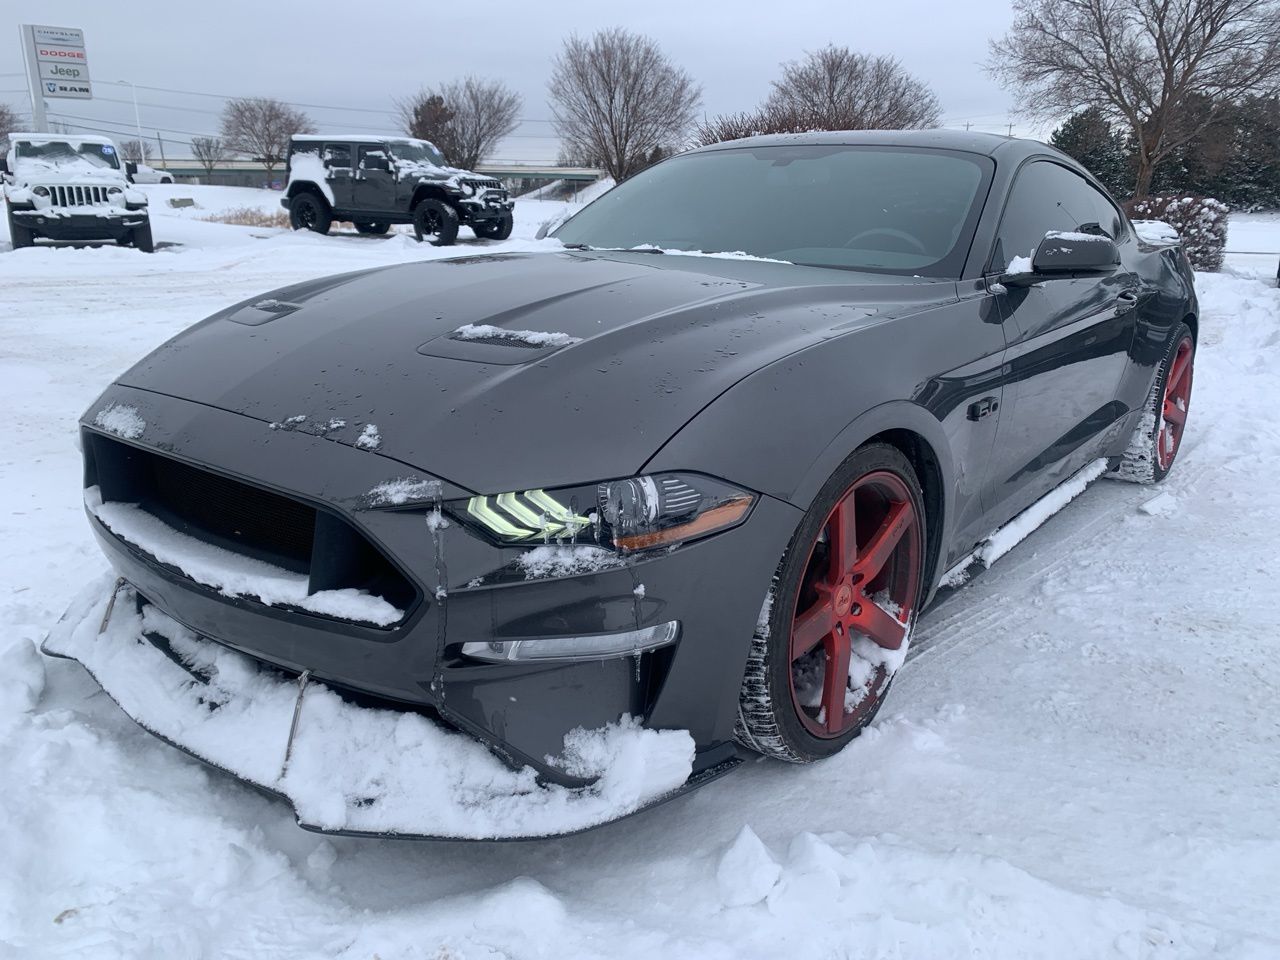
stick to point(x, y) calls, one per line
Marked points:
point(354, 768)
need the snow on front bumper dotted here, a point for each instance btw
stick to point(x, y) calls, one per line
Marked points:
point(351, 769)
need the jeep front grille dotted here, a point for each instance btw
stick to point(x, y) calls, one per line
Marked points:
point(479, 185)
point(64, 196)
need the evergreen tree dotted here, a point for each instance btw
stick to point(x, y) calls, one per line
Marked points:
point(1089, 137)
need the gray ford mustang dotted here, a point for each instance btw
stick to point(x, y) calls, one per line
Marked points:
point(703, 466)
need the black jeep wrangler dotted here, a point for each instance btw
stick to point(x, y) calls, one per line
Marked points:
point(377, 181)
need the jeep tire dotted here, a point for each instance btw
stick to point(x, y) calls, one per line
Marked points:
point(142, 239)
point(435, 222)
point(309, 212)
point(499, 229)
point(20, 236)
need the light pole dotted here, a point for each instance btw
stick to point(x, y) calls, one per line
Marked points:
point(137, 121)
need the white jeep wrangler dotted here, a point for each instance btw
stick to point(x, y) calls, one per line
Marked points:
point(63, 187)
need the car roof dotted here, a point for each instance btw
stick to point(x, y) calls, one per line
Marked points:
point(60, 138)
point(352, 137)
point(963, 140)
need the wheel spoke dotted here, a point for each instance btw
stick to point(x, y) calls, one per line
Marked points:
point(1181, 365)
point(881, 626)
point(835, 680)
point(842, 541)
point(876, 553)
point(812, 627)
point(1173, 414)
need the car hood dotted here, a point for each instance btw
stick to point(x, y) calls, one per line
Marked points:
point(640, 343)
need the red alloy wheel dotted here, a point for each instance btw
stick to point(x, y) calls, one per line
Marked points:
point(871, 546)
point(1177, 399)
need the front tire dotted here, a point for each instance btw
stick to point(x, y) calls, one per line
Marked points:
point(499, 229)
point(435, 222)
point(20, 236)
point(838, 620)
point(309, 212)
point(1158, 436)
point(142, 239)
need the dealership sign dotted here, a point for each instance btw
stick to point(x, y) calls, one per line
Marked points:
point(63, 68)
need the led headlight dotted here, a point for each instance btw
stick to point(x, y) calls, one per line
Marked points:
point(40, 191)
point(639, 513)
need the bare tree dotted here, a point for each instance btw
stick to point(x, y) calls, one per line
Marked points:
point(466, 118)
point(8, 123)
point(209, 152)
point(261, 128)
point(836, 88)
point(136, 151)
point(617, 97)
point(1141, 62)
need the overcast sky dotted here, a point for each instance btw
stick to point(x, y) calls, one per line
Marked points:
point(359, 55)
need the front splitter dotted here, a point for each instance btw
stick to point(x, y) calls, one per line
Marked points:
point(348, 769)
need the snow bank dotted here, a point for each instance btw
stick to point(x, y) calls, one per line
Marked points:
point(353, 768)
point(232, 574)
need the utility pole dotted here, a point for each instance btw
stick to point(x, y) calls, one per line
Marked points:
point(160, 141)
point(1011, 129)
point(38, 119)
point(137, 123)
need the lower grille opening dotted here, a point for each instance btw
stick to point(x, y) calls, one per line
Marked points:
point(245, 520)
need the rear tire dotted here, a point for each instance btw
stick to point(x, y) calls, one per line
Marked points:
point(435, 222)
point(1158, 436)
point(373, 229)
point(309, 212)
point(845, 596)
point(499, 229)
point(142, 239)
point(20, 236)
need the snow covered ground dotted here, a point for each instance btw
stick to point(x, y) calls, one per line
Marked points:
point(1081, 760)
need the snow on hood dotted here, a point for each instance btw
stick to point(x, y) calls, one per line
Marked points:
point(64, 170)
point(354, 768)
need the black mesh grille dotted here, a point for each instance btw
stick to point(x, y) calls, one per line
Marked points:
point(224, 511)
point(245, 519)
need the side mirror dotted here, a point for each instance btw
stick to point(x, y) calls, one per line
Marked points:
point(4, 166)
point(1063, 255)
point(130, 169)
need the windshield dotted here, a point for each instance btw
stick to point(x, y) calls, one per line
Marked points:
point(59, 153)
point(417, 151)
point(889, 210)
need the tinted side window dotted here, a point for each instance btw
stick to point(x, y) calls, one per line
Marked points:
point(1047, 197)
point(374, 158)
point(337, 155)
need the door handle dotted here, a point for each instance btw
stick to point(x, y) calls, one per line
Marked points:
point(1125, 302)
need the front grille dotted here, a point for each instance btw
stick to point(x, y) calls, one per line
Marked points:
point(479, 185)
point(72, 196)
point(245, 519)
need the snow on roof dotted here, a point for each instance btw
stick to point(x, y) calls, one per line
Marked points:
point(60, 138)
point(354, 138)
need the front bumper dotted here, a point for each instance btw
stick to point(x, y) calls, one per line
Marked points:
point(347, 768)
point(522, 711)
point(80, 226)
point(479, 209)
